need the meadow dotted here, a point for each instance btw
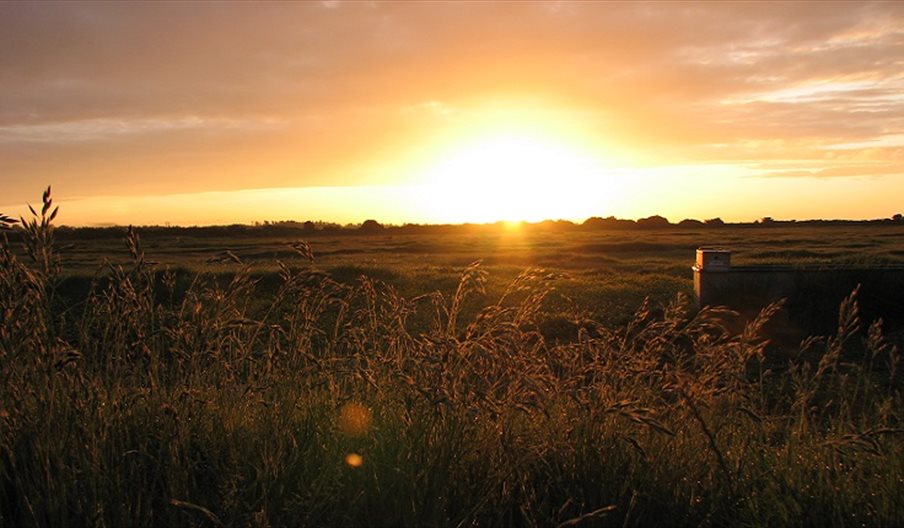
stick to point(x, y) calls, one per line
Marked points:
point(487, 377)
point(603, 274)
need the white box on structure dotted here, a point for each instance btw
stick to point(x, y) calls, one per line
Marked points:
point(713, 259)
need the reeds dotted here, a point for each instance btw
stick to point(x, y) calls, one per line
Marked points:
point(168, 398)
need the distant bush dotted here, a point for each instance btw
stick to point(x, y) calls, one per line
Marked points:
point(371, 227)
point(609, 222)
point(653, 222)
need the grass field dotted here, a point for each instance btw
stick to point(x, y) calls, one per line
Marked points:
point(603, 274)
point(391, 382)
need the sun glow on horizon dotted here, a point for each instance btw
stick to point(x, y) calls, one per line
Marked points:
point(515, 177)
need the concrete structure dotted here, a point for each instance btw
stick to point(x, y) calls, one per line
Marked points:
point(810, 292)
point(713, 259)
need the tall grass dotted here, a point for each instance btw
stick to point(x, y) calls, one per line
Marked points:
point(166, 399)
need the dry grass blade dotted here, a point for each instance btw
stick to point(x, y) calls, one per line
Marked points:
point(134, 244)
point(304, 249)
point(224, 257)
point(209, 515)
point(595, 514)
point(473, 279)
point(6, 222)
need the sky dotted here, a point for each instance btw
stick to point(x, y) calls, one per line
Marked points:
point(216, 113)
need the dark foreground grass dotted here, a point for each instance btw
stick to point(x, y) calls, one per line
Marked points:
point(163, 400)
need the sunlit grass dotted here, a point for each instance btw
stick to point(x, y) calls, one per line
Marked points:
point(164, 397)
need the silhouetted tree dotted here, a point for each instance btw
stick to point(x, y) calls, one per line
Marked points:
point(715, 222)
point(610, 222)
point(653, 222)
point(371, 226)
point(554, 225)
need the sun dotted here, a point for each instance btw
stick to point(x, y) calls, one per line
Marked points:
point(515, 177)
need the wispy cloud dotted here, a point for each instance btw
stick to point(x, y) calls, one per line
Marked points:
point(100, 129)
point(437, 108)
point(891, 140)
point(846, 171)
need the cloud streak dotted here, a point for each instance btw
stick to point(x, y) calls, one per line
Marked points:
point(101, 129)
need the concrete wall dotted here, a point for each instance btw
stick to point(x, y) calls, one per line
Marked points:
point(811, 294)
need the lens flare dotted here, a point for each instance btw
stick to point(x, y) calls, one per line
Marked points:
point(354, 460)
